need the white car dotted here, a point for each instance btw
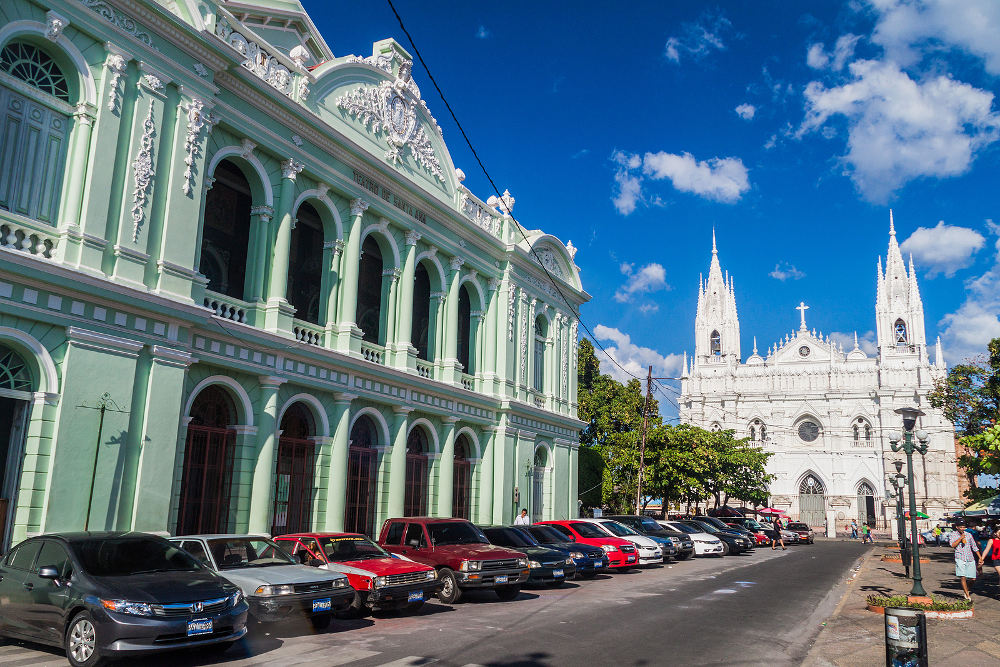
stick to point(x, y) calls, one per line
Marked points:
point(705, 544)
point(649, 551)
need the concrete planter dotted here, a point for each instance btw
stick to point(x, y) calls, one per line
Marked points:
point(958, 614)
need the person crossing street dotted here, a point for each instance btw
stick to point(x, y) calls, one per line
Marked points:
point(965, 563)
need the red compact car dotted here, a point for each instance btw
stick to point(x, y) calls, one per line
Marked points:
point(621, 553)
point(380, 580)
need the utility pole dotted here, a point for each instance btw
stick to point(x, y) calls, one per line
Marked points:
point(642, 442)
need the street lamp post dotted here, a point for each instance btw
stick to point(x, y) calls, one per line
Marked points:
point(898, 483)
point(908, 446)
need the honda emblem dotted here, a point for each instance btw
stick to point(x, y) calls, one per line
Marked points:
point(198, 607)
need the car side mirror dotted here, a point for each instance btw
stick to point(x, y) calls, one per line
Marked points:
point(315, 562)
point(48, 572)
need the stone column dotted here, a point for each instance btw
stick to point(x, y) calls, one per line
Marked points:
point(391, 305)
point(279, 312)
point(450, 332)
point(267, 440)
point(439, 328)
point(446, 469)
point(397, 461)
point(260, 217)
point(79, 158)
point(349, 276)
point(404, 350)
point(489, 365)
point(336, 494)
point(332, 253)
point(484, 495)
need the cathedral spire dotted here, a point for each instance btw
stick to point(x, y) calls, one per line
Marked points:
point(938, 354)
point(892, 226)
point(899, 313)
point(715, 251)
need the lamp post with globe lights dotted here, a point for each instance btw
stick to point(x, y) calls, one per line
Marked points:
point(894, 489)
point(908, 446)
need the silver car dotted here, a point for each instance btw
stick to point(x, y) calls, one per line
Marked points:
point(274, 584)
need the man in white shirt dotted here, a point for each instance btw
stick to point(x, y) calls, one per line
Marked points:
point(522, 519)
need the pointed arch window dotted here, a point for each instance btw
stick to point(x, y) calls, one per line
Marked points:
point(899, 329)
point(758, 431)
point(811, 485)
point(716, 344)
point(862, 431)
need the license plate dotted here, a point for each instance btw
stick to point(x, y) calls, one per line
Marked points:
point(598, 563)
point(415, 596)
point(631, 558)
point(322, 604)
point(501, 579)
point(200, 626)
point(557, 573)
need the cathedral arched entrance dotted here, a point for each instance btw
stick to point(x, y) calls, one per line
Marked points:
point(16, 386)
point(866, 504)
point(812, 501)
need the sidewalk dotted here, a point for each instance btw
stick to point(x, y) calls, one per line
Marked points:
point(855, 636)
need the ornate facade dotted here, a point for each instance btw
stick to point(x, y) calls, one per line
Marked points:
point(242, 286)
point(825, 413)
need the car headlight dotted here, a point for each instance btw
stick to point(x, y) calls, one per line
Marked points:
point(341, 583)
point(534, 564)
point(379, 582)
point(128, 607)
point(470, 566)
point(235, 598)
point(432, 575)
point(522, 562)
point(609, 548)
point(569, 561)
point(267, 590)
point(675, 540)
point(576, 554)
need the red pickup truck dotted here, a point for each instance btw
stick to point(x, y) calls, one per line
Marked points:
point(460, 553)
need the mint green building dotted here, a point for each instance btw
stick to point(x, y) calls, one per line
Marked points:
point(242, 287)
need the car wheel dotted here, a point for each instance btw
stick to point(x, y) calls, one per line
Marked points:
point(506, 593)
point(725, 548)
point(450, 593)
point(414, 607)
point(321, 621)
point(685, 556)
point(358, 608)
point(81, 642)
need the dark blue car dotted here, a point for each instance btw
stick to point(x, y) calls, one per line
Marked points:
point(589, 560)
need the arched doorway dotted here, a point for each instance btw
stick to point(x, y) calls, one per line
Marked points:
point(226, 234)
point(15, 405)
point(464, 333)
point(415, 499)
point(420, 326)
point(294, 472)
point(812, 501)
point(369, 312)
point(462, 480)
point(538, 484)
point(209, 450)
point(361, 467)
point(305, 265)
point(866, 504)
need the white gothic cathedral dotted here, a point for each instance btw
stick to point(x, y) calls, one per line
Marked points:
point(823, 412)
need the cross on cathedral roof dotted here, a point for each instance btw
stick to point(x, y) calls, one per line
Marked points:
point(802, 308)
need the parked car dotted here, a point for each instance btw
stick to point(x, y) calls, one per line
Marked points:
point(650, 550)
point(621, 553)
point(105, 595)
point(805, 533)
point(275, 585)
point(460, 553)
point(734, 543)
point(644, 525)
point(721, 525)
point(548, 566)
point(763, 533)
point(379, 579)
point(740, 530)
point(705, 544)
point(790, 536)
point(589, 560)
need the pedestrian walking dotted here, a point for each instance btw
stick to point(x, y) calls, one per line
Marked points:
point(937, 535)
point(866, 534)
point(777, 531)
point(990, 554)
point(854, 529)
point(965, 562)
point(522, 519)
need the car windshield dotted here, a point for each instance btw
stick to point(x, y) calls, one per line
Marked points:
point(455, 532)
point(705, 527)
point(798, 526)
point(649, 525)
point(547, 535)
point(233, 552)
point(588, 530)
point(351, 547)
point(618, 529)
point(685, 528)
point(509, 537)
point(712, 521)
point(124, 556)
point(753, 525)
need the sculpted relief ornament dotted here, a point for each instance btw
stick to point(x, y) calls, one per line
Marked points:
point(142, 168)
point(197, 119)
point(256, 59)
point(390, 109)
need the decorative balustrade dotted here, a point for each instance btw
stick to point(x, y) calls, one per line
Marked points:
point(468, 382)
point(539, 402)
point(226, 307)
point(425, 369)
point(373, 353)
point(310, 334)
point(27, 240)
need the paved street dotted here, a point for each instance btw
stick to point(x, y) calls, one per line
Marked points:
point(761, 608)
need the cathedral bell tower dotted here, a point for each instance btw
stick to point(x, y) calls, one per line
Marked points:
point(716, 326)
point(899, 312)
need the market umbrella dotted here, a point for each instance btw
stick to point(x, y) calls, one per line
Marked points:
point(725, 511)
point(770, 510)
point(985, 507)
point(920, 515)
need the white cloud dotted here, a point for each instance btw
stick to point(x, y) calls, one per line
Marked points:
point(633, 358)
point(746, 111)
point(698, 39)
point(649, 278)
point(908, 30)
point(900, 129)
point(784, 271)
point(943, 248)
point(843, 49)
point(482, 33)
point(866, 341)
point(719, 179)
point(647, 308)
point(966, 331)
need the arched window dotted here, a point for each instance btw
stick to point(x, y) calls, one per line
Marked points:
point(808, 430)
point(758, 431)
point(465, 329)
point(868, 434)
point(293, 474)
point(369, 313)
point(811, 485)
point(861, 428)
point(415, 499)
point(361, 471)
point(209, 454)
point(541, 333)
point(305, 265)
point(420, 331)
point(716, 344)
point(899, 330)
point(462, 492)
point(15, 406)
point(36, 124)
point(857, 435)
point(226, 234)
point(14, 373)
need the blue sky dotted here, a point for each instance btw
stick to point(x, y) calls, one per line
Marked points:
point(791, 128)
